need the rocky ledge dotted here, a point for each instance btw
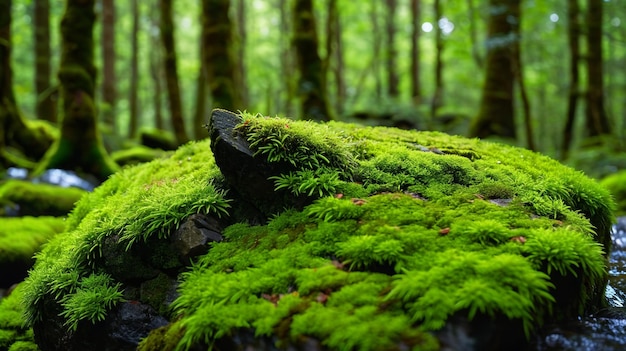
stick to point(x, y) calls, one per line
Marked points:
point(292, 235)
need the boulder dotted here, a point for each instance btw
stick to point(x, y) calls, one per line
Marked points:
point(294, 235)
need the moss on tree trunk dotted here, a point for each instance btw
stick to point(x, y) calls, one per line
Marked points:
point(311, 89)
point(496, 114)
point(15, 133)
point(218, 54)
point(80, 146)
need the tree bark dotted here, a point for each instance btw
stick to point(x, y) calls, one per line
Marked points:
point(200, 113)
point(340, 66)
point(286, 58)
point(478, 59)
point(15, 133)
point(437, 100)
point(242, 34)
point(80, 146)
point(496, 114)
point(597, 121)
point(46, 105)
point(156, 70)
point(171, 72)
point(109, 81)
point(573, 38)
point(312, 92)
point(134, 72)
point(416, 30)
point(392, 68)
point(219, 55)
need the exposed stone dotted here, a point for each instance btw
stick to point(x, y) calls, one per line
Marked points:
point(194, 234)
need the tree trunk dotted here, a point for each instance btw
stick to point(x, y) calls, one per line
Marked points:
point(496, 114)
point(310, 88)
point(437, 100)
point(597, 122)
point(376, 54)
point(340, 66)
point(242, 33)
point(134, 69)
point(80, 146)
point(573, 37)
point(519, 76)
point(156, 70)
point(478, 59)
point(46, 105)
point(14, 131)
point(108, 63)
point(286, 58)
point(416, 30)
point(200, 114)
point(219, 61)
point(392, 68)
point(171, 72)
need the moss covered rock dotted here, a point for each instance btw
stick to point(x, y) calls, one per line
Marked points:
point(26, 198)
point(14, 335)
point(386, 239)
point(20, 239)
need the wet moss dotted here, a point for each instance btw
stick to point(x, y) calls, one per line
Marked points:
point(36, 199)
point(402, 238)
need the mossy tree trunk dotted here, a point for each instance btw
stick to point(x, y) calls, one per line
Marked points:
point(437, 100)
point(14, 132)
point(80, 146)
point(134, 72)
point(573, 36)
point(171, 72)
point(219, 55)
point(496, 114)
point(416, 30)
point(107, 39)
point(393, 78)
point(46, 105)
point(597, 121)
point(311, 90)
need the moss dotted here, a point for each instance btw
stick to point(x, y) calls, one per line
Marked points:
point(34, 199)
point(616, 184)
point(135, 155)
point(398, 238)
point(14, 335)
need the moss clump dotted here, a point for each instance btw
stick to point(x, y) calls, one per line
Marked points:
point(14, 335)
point(616, 183)
point(404, 232)
point(135, 155)
point(20, 239)
point(32, 199)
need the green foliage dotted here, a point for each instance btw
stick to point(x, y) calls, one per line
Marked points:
point(39, 199)
point(14, 335)
point(96, 294)
point(320, 182)
point(22, 237)
point(616, 184)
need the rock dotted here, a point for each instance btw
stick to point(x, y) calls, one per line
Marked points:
point(362, 240)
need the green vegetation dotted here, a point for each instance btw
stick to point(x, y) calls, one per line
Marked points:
point(36, 199)
point(404, 230)
point(14, 335)
point(616, 183)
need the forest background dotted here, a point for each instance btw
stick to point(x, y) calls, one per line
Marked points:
point(425, 64)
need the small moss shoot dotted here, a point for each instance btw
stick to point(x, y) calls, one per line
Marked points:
point(404, 230)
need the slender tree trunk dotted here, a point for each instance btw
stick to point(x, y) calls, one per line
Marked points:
point(340, 67)
point(156, 69)
point(46, 105)
point(597, 122)
point(134, 69)
point(286, 58)
point(573, 37)
point(79, 146)
point(310, 88)
point(109, 80)
point(496, 114)
point(241, 53)
point(519, 76)
point(392, 68)
point(478, 59)
point(200, 113)
point(437, 100)
point(219, 55)
point(14, 131)
point(330, 45)
point(416, 30)
point(376, 54)
point(171, 72)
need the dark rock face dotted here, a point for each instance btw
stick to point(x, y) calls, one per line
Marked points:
point(122, 330)
point(193, 236)
point(246, 174)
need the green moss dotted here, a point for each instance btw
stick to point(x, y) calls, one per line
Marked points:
point(402, 233)
point(22, 237)
point(14, 335)
point(36, 199)
point(616, 184)
point(135, 155)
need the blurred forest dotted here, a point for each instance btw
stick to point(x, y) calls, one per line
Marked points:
point(546, 75)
